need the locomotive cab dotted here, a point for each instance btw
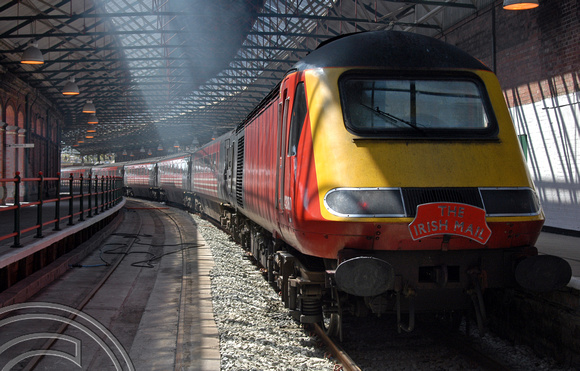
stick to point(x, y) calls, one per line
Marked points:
point(407, 178)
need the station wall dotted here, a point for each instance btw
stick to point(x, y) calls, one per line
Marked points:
point(537, 60)
point(26, 117)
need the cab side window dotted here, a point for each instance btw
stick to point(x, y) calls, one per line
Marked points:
point(297, 121)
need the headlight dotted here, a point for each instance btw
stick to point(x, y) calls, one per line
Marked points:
point(365, 202)
point(510, 201)
point(389, 202)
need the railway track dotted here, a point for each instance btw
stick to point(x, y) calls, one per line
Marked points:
point(151, 247)
point(136, 226)
point(473, 358)
point(344, 360)
point(408, 344)
point(373, 344)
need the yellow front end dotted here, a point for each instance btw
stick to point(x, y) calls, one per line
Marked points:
point(344, 159)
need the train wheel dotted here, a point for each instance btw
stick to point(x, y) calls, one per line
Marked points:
point(476, 295)
point(333, 326)
point(270, 268)
point(479, 313)
point(332, 320)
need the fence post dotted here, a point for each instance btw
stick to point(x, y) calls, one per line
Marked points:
point(17, 210)
point(57, 208)
point(89, 196)
point(120, 186)
point(103, 194)
point(70, 201)
point(96, 195)
point(108, 192)
point(81, 192)
point(112, 192)
point(117, 193)
point(39, 207)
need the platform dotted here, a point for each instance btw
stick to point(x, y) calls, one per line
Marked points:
point(29, 217)
point(30, 243)
point(45, 253)
point(151, 314)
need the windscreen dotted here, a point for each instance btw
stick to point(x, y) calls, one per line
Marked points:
point(383, 105)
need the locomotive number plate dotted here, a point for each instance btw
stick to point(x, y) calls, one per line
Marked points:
point(440, 218)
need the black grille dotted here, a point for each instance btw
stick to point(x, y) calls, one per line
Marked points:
point(417, 196)
point(240, 172)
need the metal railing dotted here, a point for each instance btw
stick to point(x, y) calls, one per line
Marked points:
point(89, 196)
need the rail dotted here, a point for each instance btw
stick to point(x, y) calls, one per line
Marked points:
point(69, 197)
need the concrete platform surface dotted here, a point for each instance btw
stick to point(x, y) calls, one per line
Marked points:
point(132, 311)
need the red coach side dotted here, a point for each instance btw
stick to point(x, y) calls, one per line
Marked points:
point(259, 181)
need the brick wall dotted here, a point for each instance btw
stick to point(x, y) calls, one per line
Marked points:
point(537, 55)
point(539, 46)
point(31, 106)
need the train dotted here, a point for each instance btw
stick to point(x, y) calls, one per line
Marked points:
point(382, 174)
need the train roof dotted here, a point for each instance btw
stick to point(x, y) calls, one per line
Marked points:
point(396, 50)
point(388, 49)
point(155, 160)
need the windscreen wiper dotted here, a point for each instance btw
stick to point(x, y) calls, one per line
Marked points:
point(392, 119)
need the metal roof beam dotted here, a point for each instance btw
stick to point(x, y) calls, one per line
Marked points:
point(38, 17)
point(99, 33)
point(450, 3)
point(346, 19)
point(143, 47)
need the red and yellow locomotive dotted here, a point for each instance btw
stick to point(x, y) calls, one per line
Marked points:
point(384, 166)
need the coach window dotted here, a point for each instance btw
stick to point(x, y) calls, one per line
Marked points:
point(297, 121)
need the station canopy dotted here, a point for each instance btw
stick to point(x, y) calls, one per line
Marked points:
point(163, 73)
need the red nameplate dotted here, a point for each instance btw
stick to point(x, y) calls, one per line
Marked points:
point(440, 218)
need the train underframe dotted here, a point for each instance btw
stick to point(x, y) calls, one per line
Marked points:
point(423, 281)
point(435, 281)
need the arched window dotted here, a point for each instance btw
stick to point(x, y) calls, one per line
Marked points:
point(39, 125)
point(21, 120)
point(10, 118)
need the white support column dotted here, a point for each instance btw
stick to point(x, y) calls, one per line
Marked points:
point(10, 160)
point(2, 163)
point(21, 163)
